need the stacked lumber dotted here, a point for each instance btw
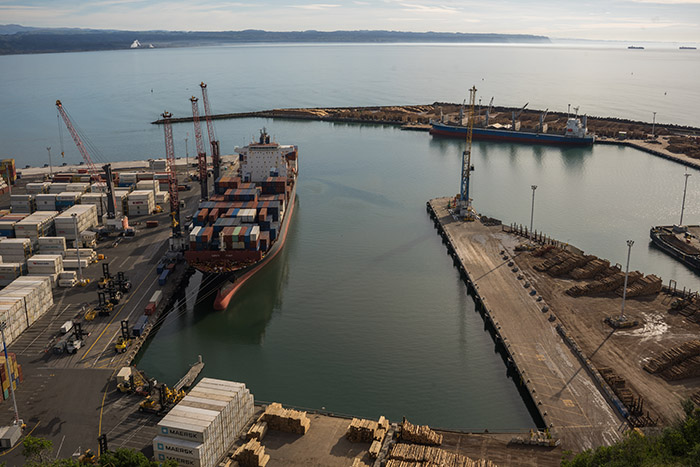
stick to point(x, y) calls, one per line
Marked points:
point(575, 261)
point(412, 455)
point(686, 369)
point(549, 263)
point(672, 356)
point(606, 284)
point(374, 449)
point(543, 250)
point(251, 454)
point(367, 431)
point(420, 434)
point(591, 269)
point(257, 431)
point(648, 285)
point(287, 420)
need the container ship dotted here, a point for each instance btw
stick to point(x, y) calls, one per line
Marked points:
point(576, 133)
point(681, 242)
point(244, 225)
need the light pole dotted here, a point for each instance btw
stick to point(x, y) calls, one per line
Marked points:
point(685, 188)
point(187, 156)
point(3, 326)
point(77, 246)
point(653, 126)
point(627, 272)
point(48, 148)
point(532, 211)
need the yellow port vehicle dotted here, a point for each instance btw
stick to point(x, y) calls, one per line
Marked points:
point(124, 339)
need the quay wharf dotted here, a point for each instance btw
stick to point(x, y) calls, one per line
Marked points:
point(571, 404)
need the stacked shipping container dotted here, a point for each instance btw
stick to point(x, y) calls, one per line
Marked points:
point(86, 216)
point(39, 224)
point(200, 429)
point(23, 203)
point(22, 302)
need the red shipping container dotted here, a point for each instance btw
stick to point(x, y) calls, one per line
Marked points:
point(150, 309)
point(213, 214)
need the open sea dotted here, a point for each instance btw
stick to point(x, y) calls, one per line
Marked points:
point(363, 312)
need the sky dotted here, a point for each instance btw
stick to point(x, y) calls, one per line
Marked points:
point(638, 20)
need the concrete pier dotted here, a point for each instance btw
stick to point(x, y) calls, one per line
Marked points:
point(567, 397)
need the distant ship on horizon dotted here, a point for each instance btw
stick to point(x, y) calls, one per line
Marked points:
point(636, 47)
point(687, 47)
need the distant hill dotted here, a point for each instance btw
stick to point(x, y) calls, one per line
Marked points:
point(16, 39)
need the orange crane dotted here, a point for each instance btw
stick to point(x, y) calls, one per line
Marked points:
point(201, 152)
point(215, 154)
point(78, 142)
point(172, 176)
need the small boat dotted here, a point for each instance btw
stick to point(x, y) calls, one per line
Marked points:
point(635, 47)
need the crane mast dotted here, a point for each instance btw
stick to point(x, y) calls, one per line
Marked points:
point(201, 152)
point(465, 208)
point(172, 176)
point(215, 154)
point(78, 141)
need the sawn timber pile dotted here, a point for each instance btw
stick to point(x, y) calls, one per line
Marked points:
point(367, 431)
point(420, 434)
point(413, 455)
point(287, 420)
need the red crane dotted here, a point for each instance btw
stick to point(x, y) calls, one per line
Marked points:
point(172, 176)
point(78, 142)
point(201, 152)
point(215, 154)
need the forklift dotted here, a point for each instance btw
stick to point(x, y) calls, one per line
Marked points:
point(104, 307)
point(122, 283)
point(115, 295)
point(124, 340)
point(138, 384)
point(106, 278)
point(166, 399)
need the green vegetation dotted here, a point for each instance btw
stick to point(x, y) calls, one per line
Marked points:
point(38, 451)
point(678, 445)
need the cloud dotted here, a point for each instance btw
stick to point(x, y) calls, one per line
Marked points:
point(428, 9)
point(316, 6)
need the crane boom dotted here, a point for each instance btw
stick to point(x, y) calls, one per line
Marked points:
point(78, 141)
point(172, 176)
point(464, 200)
point(213, 141)
point(201, 152)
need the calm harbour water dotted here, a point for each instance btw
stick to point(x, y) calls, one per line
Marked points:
point(363, 312)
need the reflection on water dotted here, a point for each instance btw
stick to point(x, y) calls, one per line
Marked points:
point(364, 313)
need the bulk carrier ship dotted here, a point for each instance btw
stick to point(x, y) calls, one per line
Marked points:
point(575, 134)
point(243, 226)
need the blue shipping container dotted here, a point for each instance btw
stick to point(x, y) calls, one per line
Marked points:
point(138, 328)
point(163, 276)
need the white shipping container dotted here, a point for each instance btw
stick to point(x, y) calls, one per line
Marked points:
point(189, 449)
point(183, 461)
point(73, 263)
point(69, 196)
point(58, 187)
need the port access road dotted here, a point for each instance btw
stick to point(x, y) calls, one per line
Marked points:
point(571, 405)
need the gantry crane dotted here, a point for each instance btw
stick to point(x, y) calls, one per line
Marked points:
point(215, 154)
point(172, 176)
point(78, 142)
point(113, 220)
point(465, 206)
point(201, 152)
